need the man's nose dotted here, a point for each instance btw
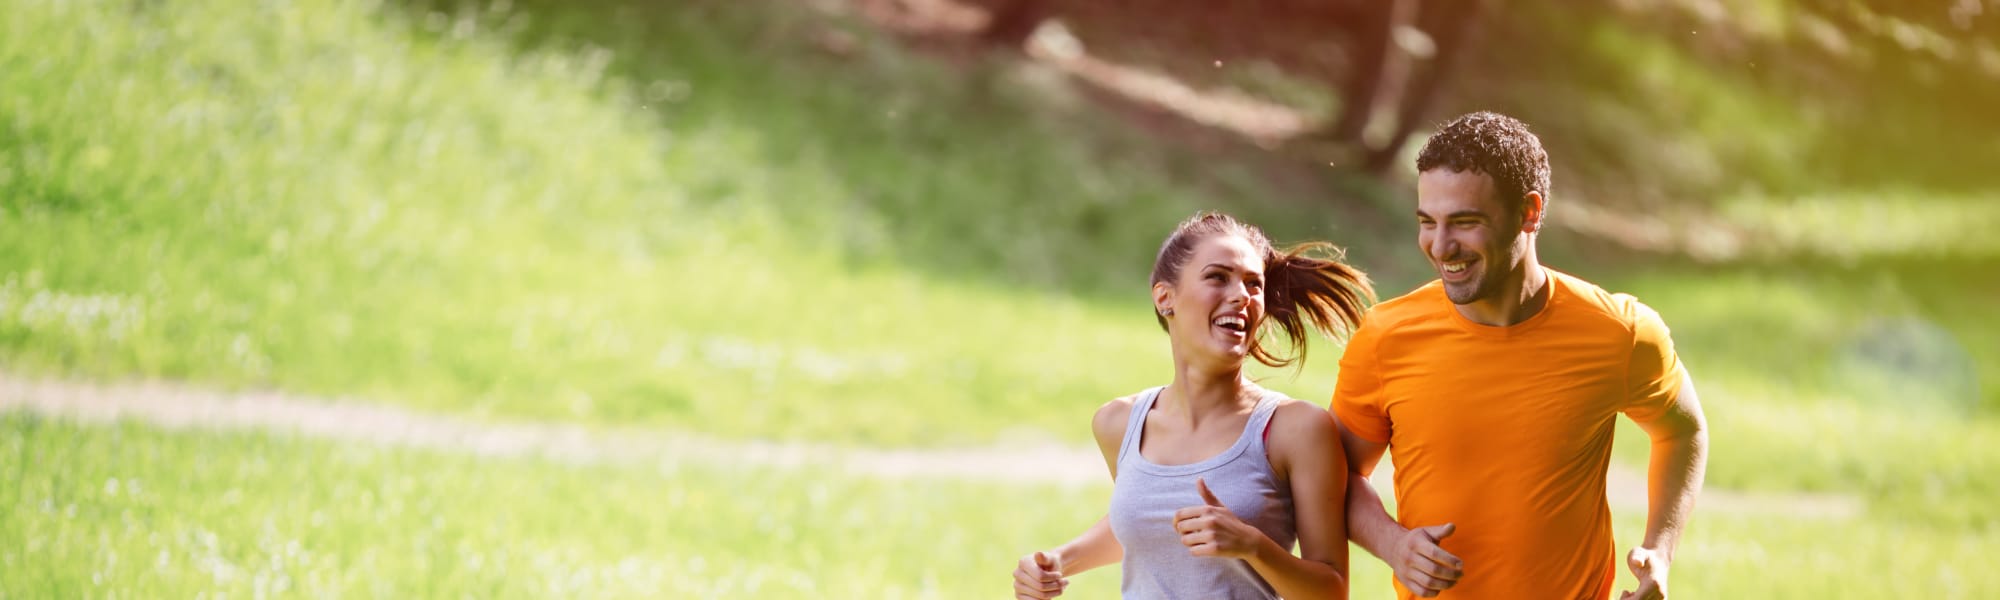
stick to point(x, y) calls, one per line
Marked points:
point(1442, 246)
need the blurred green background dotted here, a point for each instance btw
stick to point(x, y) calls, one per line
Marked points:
point(775, 229)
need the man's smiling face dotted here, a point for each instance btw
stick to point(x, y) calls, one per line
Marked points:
point(1472, 239)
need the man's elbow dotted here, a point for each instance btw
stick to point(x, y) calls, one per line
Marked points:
point(1697, 438)
point(1688, 431)
point(1684, 421)
point(1694, 427)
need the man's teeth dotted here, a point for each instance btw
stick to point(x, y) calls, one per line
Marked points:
point(1454, 267)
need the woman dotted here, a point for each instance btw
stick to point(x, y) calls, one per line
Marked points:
point(1214, 476)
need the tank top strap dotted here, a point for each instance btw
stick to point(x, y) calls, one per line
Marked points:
point(1260, 420)
point(1135, 424)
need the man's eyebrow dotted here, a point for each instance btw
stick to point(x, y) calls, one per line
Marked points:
point(1457, 214)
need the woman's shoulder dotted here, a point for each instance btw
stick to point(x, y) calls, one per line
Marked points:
point(1297, 424)
point(1294, 407)
point(1296, 414)
point(1111, 417)
point(1108, 425)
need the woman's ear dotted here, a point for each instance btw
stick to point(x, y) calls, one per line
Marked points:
point(1163, 299)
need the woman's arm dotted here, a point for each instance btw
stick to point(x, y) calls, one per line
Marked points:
point(1095, 548)
point(1306, 447)
point(1044, 574)
point(1305, 451)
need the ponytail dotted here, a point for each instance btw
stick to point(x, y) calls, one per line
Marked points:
point(1304, 290)
point(1304, 286)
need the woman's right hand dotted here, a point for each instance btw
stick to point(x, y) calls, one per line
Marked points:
point(1038, 577)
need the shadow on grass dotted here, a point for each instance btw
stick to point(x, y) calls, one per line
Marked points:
point(972, 171)
point(968, 173)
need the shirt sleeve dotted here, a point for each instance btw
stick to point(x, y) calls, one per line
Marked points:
point(1655, 373)
point(1357, 397)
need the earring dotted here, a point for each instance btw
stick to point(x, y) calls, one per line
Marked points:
point(1166, 312)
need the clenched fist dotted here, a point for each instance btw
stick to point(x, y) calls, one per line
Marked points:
point(1038, 577)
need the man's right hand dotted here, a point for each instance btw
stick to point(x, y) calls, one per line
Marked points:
point(1038, 577)
point(1422, 565)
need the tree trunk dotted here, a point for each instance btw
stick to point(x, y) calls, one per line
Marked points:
point(1372, 47)
point(1013, 22)
point(1452, 24)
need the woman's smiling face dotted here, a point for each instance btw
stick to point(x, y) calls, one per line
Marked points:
point(1218, 299)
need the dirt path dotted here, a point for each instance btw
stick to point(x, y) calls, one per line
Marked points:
point(182, 407)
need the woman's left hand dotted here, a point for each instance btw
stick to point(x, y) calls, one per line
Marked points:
point(1211, 530)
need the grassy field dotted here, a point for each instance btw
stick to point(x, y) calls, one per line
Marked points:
point(686, 217)
point(357, 205)
point(125, 510)
point(317, 208)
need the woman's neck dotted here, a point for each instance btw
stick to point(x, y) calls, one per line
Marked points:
point(1198, 394)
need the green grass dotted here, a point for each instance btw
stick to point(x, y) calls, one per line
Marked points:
point(685, 216)
point(1770, 556)
point(1856, 226)
point(1679, 104)
point(1875, 379)
point(130, 511)
point(413, 209)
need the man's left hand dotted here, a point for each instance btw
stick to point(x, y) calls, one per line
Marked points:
point(1650, 566)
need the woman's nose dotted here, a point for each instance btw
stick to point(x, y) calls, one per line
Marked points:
point(1239, 293)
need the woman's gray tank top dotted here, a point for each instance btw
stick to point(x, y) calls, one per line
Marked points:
point(1146, 495)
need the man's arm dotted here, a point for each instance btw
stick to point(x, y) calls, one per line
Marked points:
point(1414, 554)
point(1368, 520)
point(1674, 475)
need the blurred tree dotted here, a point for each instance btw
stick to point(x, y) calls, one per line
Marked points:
point(1400, 67)
point(1746, 89)
point(1385, 61)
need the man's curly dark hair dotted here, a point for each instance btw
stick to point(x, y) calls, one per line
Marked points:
point(1494, 144)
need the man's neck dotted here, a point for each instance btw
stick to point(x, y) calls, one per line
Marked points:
point(1521, 297)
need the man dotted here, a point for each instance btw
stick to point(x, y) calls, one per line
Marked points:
point(1498, 386)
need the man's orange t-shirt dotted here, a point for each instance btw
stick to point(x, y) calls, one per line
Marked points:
point(1506, 431)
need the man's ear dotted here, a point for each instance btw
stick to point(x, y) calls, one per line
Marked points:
point(1532, 208)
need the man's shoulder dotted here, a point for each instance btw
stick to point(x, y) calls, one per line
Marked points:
point(1595, 301)
point(1419, 304)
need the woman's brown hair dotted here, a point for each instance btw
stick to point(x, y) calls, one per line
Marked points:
point(1305, 285)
